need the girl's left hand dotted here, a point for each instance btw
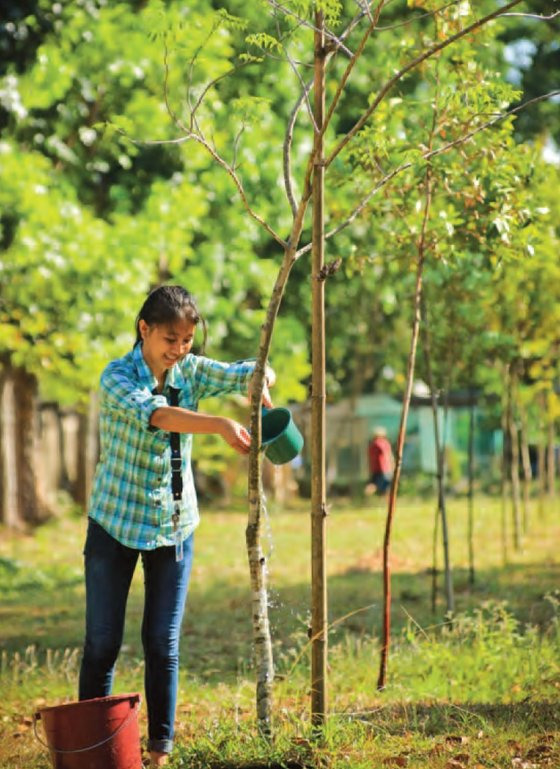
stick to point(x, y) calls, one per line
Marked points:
point(269, 380)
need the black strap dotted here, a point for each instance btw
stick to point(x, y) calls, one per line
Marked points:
point(175, 441)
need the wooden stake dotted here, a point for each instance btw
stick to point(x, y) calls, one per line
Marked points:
point(318, 427)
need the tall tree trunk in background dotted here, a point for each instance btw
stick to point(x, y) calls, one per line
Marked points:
point(20, 502)
point(386, 630)
point(470, 493)
point(526, 465)
point(9, 503)
point(32, 510)
point(88, 447)
point(514, 463)
point(319, 617)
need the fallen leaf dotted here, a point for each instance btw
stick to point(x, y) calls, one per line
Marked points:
point(395, 761)
point(456, 739)
point(519, 763)
point(462, 758)
point(437, 749)
point(539, 751)
point(302, 741)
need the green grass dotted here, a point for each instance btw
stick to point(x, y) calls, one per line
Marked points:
point(483, 692)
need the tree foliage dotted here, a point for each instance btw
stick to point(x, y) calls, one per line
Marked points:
point(108, 199)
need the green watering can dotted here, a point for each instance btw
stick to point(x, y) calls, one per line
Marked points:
point(281, 439)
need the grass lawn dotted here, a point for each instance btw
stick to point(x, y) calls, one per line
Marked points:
point(483, 692)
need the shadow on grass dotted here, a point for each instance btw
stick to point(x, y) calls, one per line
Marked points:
point(456, 719)
point(217, 634)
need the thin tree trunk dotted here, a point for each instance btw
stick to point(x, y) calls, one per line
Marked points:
point(318, 397)
point(550, 457)
point(439, 469)
point(258, 571)
point(470, 494)
point(541, 461)
point(514, 464)
point(526, 465)
point(505, 466)
point(435, 540)
point(449, 597)
point(440, 461)
point(257, 560)
point(386, 631)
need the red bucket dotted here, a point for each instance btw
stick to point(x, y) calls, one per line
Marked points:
point(93, 734)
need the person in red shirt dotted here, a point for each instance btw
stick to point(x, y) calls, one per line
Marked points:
point(381, 462)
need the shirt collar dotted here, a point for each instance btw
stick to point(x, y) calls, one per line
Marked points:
point(174, 376)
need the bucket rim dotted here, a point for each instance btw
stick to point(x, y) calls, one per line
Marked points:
point(133, 697)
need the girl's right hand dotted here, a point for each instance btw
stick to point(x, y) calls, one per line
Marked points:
point(236, 436)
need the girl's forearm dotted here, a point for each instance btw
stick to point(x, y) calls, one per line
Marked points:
point(178, 420)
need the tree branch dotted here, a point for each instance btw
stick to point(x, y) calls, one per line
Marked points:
point(287, 147)
point(351, 64)
point(304, 90)
point(426, 156)
point(488, 124)
point(406, 69)
point(420, 16)
point(336, 40)
point(237, 181)
point(535, 16)
point(212, 83)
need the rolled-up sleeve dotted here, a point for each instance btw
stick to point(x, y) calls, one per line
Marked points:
point(211, 377)
point(125, 397)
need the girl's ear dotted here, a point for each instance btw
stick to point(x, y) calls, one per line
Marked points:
point(143, 328)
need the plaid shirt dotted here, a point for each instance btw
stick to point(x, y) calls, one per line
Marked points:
point(131, 497)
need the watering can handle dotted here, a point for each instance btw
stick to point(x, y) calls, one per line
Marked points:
point(37, 717)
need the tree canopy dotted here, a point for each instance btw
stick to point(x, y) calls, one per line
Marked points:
point(102, 196)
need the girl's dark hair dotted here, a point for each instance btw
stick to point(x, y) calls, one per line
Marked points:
point(166, 305)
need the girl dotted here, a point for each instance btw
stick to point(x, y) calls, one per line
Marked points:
point(143, 501)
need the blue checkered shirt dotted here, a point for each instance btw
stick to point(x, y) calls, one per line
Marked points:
point(131, 497)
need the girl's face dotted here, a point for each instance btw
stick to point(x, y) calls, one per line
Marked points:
point(164, 345)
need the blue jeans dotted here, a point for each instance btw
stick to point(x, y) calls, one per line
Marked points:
point(109, 567)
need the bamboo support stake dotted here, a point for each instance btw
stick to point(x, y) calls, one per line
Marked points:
point(318, 427)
